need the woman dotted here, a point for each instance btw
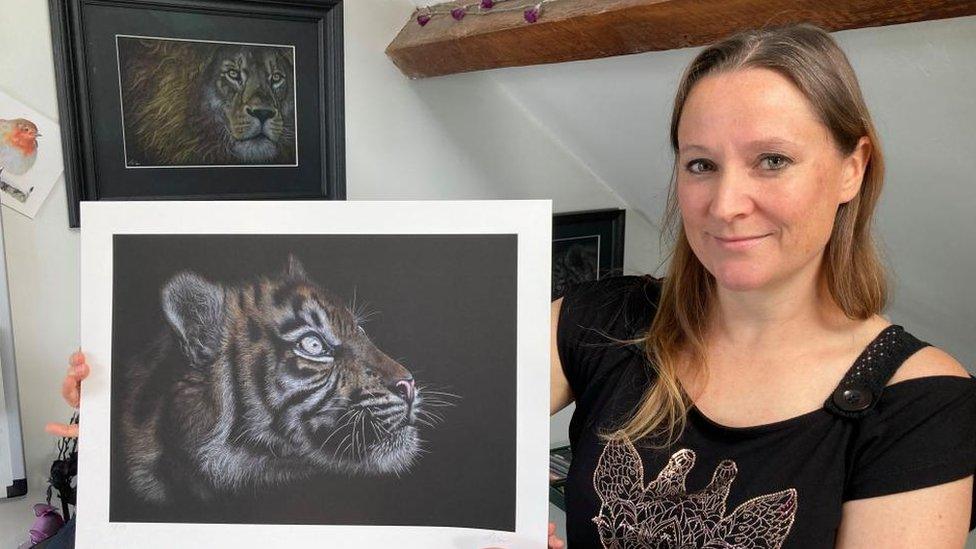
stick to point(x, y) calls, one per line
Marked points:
point(772, 406)
point(755, 397)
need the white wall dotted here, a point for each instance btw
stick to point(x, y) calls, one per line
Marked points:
point(453, 138)
point(42, 262)
point(457, 137)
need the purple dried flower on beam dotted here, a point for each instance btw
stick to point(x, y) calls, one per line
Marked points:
point(532, 14)
point(423, 19)
point(458, 13)
point(487, 4)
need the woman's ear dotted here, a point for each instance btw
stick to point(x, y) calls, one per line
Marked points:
point(855, 166)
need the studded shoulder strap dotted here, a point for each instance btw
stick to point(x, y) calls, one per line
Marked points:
point(863, 384)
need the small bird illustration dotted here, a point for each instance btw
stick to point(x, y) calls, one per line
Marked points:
point(18, 145)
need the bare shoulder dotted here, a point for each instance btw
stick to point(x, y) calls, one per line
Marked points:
point(928, 361)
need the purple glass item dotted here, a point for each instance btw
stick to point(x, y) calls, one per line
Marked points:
point(423, 19)
point(532, 14)
point(47, 524)
point(458, 13)
point(487, 4)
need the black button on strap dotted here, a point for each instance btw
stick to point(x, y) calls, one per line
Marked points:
point(865, 381)
point(854, 398)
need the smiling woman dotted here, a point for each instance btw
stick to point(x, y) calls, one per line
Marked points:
point(760, 171)
point(755, 396)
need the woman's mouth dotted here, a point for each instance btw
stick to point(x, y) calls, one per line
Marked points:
point(739, 243)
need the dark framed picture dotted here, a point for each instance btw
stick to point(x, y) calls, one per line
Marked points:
point(195, 99)
point(586, 245)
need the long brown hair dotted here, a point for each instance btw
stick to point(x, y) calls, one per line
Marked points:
point(854, 274)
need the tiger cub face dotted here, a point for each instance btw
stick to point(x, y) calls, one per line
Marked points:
point(294, 383)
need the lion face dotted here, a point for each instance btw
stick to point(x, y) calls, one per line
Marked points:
point(188, 103)
point(250, 96)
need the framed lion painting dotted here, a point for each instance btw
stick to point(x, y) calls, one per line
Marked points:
point(315, 374)
point(192, 99)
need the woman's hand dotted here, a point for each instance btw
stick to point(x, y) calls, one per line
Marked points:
point(71, 391)
point(554, 541)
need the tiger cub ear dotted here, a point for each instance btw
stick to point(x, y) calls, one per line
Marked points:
point(195, 309)
point(295, 269)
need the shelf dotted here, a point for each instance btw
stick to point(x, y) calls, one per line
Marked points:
point(573, 30)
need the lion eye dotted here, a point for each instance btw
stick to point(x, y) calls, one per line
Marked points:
point(234, 74)
point(277, 77)
point(312, 347)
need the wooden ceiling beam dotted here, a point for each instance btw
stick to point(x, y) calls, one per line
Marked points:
point(573, 30)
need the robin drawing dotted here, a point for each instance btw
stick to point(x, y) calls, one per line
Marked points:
point(18, 145)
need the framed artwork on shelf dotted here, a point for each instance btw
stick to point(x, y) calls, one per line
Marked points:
point(586, 245)
point(194, 99)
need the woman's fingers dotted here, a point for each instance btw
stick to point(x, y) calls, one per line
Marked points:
point(71, 386)
point(62, 430)
point(78, 365)
point(554, 542)
point(71, 390)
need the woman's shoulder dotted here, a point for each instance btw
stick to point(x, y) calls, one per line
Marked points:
point(921, 432)
point(929, 361)
point(619, 286)
point(911, 357)
point(620, 305)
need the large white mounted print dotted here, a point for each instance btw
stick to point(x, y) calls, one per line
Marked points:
point(331, 374)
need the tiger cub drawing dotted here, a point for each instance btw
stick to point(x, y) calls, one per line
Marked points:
point(253, 385)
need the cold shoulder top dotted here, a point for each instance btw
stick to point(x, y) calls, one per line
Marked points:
point(775, 485)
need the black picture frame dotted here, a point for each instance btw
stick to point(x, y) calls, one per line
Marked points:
point(586, 245)
point(97, 168)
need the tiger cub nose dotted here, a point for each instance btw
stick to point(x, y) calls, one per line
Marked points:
point(405, 388)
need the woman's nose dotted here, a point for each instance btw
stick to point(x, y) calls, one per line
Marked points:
point(732, 196)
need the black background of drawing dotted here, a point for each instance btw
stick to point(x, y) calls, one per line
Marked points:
point(446, 308)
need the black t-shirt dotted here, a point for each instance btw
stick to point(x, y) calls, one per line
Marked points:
point(780, 484)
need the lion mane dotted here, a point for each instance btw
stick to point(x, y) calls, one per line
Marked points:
point(179, 109)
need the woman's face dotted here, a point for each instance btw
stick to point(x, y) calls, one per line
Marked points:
point(754, 161)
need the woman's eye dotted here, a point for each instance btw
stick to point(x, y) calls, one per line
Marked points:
point(774, 162)
point(698, 166)
point(312, 346)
